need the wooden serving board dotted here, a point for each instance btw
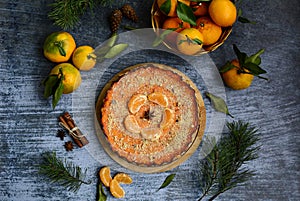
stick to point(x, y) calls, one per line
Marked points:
point(150, 169)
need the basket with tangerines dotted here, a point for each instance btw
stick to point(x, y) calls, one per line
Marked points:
point(193, 27)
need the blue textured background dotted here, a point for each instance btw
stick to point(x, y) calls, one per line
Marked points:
point(28, 124)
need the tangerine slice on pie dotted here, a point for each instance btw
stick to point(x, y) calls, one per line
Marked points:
point(151, 133)
point(158, 98)
point(168, 118)
point(136, 102)
point(131, 124)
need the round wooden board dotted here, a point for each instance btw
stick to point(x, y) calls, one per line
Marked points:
point(149, 169)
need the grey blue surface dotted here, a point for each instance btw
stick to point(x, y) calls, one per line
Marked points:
point(28, 124)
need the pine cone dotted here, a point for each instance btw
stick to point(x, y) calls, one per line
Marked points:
point(129, 12)
point(115, 20)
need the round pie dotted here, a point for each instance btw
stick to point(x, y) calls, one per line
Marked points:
point(151, 114)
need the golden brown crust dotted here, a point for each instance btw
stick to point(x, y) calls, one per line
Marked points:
point(168, 143)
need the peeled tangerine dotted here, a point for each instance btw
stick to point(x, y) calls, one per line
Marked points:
point(136, 102)
point(131, 124)
point(123, 178)
point(105, 177)
point(151, 133)
point(168, 118)
point(115, 189)
point(158, 98)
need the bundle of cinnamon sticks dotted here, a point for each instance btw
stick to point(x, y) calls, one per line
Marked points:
point(68, 123)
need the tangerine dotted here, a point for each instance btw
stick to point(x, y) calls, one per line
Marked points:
point(59, 46)
point(199, 9)
point(72, 78)
point(211, 32)
point(222, 12)
point(176, 24)
point(190, 41)
point(169, 7)
point(104, 175)
point(115, 189)
point(84, 58)
point(131, 124)
point(235, 79)
point(151, 133)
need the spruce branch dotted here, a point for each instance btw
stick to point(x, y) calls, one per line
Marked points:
point(65, 173)
point(66, 13)
point(224, 167)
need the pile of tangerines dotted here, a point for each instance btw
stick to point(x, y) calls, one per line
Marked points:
point(204, 28)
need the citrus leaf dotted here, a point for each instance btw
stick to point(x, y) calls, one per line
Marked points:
point(61, 50)
point(50, 83)
point(167, 181)
point(218, 103)
point(58, 92)
point(159, 39)
point(197, 41)
point(166, 7)
point(228, 66)
point(112, 40)
point(115, 50)
point(254, 69)
point(101, 194)
point(255, 58)
point(240, 55)
point(245, 20)
point(185, 13)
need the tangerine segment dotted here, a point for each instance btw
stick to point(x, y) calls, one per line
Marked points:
point(123, 178)
point(159, 98)
point(131, 124)
point(151, 133)
point(115, 189)
point(105, 177)
point(168, 118)
point(136, 102)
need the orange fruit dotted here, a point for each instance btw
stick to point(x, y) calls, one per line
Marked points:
point(59, 46)
point(170, 9)
point(158, 98)
point(136, 102)
point(174, 23)
point(131, 124)
point(190, 41)
point(168, 118)
point(104, 175)
point(151, 133)
point(199, 9)
point(72, 77)
point(222, 12)
point(84, 58)
point(115, 189)
point(235, 79)
point(123, 178)
point(210, 31)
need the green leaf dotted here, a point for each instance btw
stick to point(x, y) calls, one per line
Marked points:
point(240, 55)
point(159, 39)
point(218, 103)
point(185, 13)
point(228, 66)
point(112, 40)
point(59, 45)
point(58, 93)
point(101, 195)
point(245, 20)
point(115, 50)
point(166, 7)
point(50, 83)
point(255, 58)
point(197, 41)
point(167, 181)
point(254, 69)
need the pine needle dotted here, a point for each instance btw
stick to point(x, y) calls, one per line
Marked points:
point(66, 13)
point(62, 172)
point(223, 169)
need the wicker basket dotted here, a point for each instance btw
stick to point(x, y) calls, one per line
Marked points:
point(157, 18)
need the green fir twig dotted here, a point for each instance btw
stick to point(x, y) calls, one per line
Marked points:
point(224, 167)
point(66, 13)
point(60, 171)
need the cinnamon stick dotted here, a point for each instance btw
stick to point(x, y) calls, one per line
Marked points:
point(78, 137)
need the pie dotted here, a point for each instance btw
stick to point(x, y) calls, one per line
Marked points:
point(150, 115)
